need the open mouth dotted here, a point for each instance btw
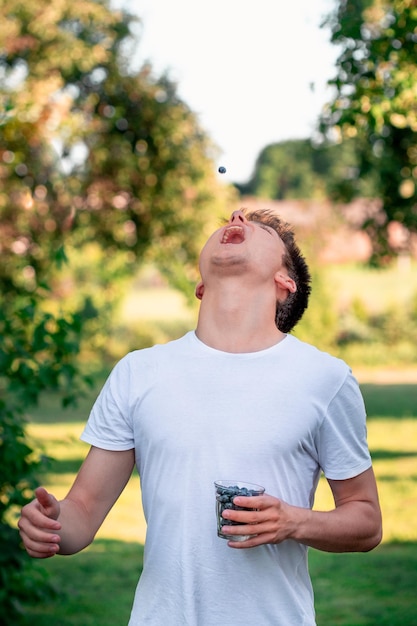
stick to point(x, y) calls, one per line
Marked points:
point(233, 234)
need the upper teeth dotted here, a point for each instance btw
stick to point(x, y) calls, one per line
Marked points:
point(230, 231)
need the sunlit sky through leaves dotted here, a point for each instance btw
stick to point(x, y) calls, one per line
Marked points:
point(254, 71)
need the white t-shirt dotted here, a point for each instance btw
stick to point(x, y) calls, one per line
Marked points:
point(277, 417)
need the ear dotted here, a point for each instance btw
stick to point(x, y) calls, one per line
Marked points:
point(284, 285)
point(199, 290)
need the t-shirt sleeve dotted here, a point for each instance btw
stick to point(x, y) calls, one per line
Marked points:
point(342, 442)
point(109, 425)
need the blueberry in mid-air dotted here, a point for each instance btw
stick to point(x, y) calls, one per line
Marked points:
point(222, 170)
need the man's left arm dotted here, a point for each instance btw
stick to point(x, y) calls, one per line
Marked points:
point(354, 525)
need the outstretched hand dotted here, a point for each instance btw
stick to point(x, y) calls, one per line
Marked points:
point(38, 525)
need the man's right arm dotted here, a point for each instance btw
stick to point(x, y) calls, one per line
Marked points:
point(48, 527)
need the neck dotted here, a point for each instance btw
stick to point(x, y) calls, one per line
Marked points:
point(229, 323)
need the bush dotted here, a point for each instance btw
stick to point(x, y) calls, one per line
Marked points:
point(320, 324)
point(386, 338)
point(37, 352)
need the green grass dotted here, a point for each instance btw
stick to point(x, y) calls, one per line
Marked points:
point(373, 589)
point(97, 586)
point(399, 400)
point(376, 288)
point(93, 588)
point(149, 297)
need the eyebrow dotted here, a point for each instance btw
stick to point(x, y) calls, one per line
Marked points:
point(266, 227)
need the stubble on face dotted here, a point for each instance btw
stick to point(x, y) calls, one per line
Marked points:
point(228, 257)
point(228, 252)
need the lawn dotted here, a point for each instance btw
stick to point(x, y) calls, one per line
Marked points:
point(149, 297)
point(377, 288)
point(377, 588)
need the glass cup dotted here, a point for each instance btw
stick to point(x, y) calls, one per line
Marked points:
point(225, 491)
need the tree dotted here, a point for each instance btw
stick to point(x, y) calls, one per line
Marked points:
point(375, 102)
point(302, 169)
point(284, 170)
point(97, 157)
point(93, 148)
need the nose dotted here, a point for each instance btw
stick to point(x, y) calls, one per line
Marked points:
point(238, 216)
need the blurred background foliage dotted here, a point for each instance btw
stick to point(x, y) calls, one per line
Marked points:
point(100, 168)
point(108, 186)
point(365, 144)
point(375, 103)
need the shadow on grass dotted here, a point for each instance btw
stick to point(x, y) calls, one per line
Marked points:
point(97, 586)
point(393, 401)
point(92, 588)
point(377, 588)
point(392, 478)
point(71, 466)
point(50, 409)
point(65, 466)
point(388, 455)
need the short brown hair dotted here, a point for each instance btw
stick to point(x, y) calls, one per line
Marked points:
point(290, 312)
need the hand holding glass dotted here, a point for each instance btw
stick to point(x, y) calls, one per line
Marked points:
point(226, 491)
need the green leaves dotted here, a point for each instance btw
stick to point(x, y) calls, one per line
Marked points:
point(37, 353)
point(100, 166)
point(376, 102)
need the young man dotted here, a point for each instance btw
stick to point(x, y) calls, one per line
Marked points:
point(237, 399)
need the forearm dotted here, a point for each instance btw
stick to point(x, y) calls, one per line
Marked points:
point(99, 483)
point(78, 529)
point(352, 527)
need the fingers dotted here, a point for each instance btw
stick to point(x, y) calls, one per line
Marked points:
point(38, 525)
point(39, 544)
point(48, 503)
point(252, 510)
point(251, 520)
point(261, 517)
point(255, 540)
point(42, 496)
